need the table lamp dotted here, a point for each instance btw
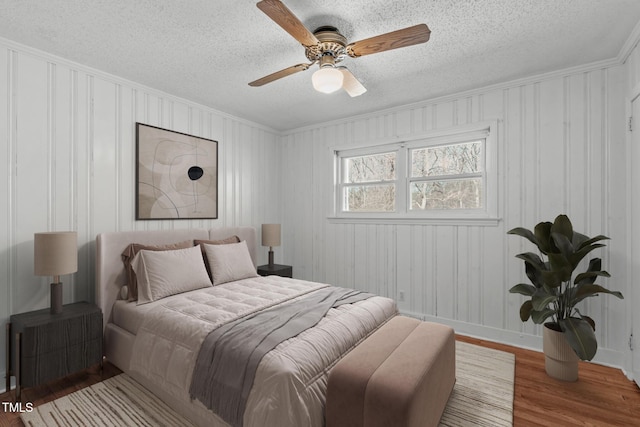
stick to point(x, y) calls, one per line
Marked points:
point(271, 238)
point(55, 254)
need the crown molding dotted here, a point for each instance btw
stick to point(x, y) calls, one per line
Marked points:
point(536, 78)
point(629, 44)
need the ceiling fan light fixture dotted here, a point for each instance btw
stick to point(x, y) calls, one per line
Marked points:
point(327, 80)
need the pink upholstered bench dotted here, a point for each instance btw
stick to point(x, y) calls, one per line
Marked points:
point(400, 376)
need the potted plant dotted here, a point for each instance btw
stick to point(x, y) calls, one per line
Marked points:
point(554, 293)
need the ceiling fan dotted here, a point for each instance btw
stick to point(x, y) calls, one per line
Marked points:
point(327, 47)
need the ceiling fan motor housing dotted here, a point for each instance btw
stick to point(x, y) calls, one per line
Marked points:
point(331, 49)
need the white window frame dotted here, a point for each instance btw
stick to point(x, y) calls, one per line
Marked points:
point(487, 215)
point(381, 149)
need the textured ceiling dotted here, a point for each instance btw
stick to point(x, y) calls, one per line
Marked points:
point(208, 50)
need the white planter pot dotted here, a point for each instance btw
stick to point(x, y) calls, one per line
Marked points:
point(560, 361)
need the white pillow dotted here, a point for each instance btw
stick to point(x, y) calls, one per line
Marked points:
point(230, 262)
point(164, 273)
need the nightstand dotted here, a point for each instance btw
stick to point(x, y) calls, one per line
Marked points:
point(49, 346)
point(275, 270)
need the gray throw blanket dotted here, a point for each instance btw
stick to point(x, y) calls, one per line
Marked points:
point(230, 355)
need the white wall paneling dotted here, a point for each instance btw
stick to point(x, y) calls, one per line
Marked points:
point(68, 162)
point(632, 251)
point(560, 150)
point(68, 150)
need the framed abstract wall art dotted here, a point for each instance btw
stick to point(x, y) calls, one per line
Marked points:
point(176, 175)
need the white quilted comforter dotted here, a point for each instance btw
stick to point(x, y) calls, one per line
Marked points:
point(290, 383)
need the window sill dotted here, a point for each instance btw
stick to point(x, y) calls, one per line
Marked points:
point(464, 221)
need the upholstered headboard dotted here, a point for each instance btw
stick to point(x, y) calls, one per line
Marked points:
point(110, 274)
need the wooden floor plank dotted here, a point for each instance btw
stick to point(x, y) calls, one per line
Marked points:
point(54, 390)
point(602, 396)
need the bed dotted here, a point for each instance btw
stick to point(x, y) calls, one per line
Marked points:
point(159, 342)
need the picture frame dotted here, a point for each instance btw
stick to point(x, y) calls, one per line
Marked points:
point(176, 175)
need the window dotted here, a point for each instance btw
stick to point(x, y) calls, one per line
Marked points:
point(370, 183)
point(449, 176)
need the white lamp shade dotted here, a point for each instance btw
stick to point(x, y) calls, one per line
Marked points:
point(55, 253)
point(327, 80)
point(270, 234)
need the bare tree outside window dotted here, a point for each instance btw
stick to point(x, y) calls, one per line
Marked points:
point(457, 170)
point(371, 198)
point(377, 167)
point(407, 178)
point(453, 194)
point(376, 175)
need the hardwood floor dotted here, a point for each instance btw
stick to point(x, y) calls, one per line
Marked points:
point(601, 397)
point(51, 391)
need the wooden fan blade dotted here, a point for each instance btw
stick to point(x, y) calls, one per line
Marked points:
point(282, 16)
point(396, 39)
point(280, 74)
point(350, 84)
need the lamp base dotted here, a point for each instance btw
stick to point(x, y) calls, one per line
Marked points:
point(56, 298)
point(270, 257)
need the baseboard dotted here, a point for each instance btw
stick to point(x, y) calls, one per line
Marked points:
point(605, 356)
point(3, 386)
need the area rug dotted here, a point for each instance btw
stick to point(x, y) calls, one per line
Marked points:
point(482, 396)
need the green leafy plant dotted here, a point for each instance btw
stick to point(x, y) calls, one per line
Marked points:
point(554, 292)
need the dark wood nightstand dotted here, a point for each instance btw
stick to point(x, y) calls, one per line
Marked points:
point(49, 346)
point(275, 269)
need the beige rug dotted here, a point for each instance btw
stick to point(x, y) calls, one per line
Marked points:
point(482, 396)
